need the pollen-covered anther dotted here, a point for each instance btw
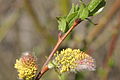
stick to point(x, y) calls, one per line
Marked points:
point(26, 66)
point(73, 60)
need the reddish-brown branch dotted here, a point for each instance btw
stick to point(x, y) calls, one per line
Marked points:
point(111, 49)
point(60, 40)
point(112, 43)
point(109, 55)
point(45, 69)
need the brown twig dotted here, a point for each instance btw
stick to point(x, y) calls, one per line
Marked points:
point(111, 48)
point(60, 40)
point(45, 69)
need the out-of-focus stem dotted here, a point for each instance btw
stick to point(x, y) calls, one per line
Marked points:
point(8, 23)
point(42, 30)
point(111, 49)
point(103, 21)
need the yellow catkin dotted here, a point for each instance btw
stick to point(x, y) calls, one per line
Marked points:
point(26, 66)
point(66, 59)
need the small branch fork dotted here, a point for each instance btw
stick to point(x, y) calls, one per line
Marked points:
point(60, 40)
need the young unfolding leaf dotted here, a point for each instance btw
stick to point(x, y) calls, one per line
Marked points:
point(83, 11)
point(84, 14)
point(62, 24)
point(72, 10)
point(96, 6)
point(66, 22)
point(96, 12)
point(71, 16)
point(93, 4)
point(76, 7)
point(82, 6)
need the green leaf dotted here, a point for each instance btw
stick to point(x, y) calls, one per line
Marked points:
point(71, 16)
point(96, 12)
point(83, 11)
point(93, 4)
point(96, 7)
point(71, 22)
point(72, 9)
point(84, 14)
point(65, 21)
point(62, 24)
point(76, 8)
point(82, 6)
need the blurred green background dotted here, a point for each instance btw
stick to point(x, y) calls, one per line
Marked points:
point(31, 25)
